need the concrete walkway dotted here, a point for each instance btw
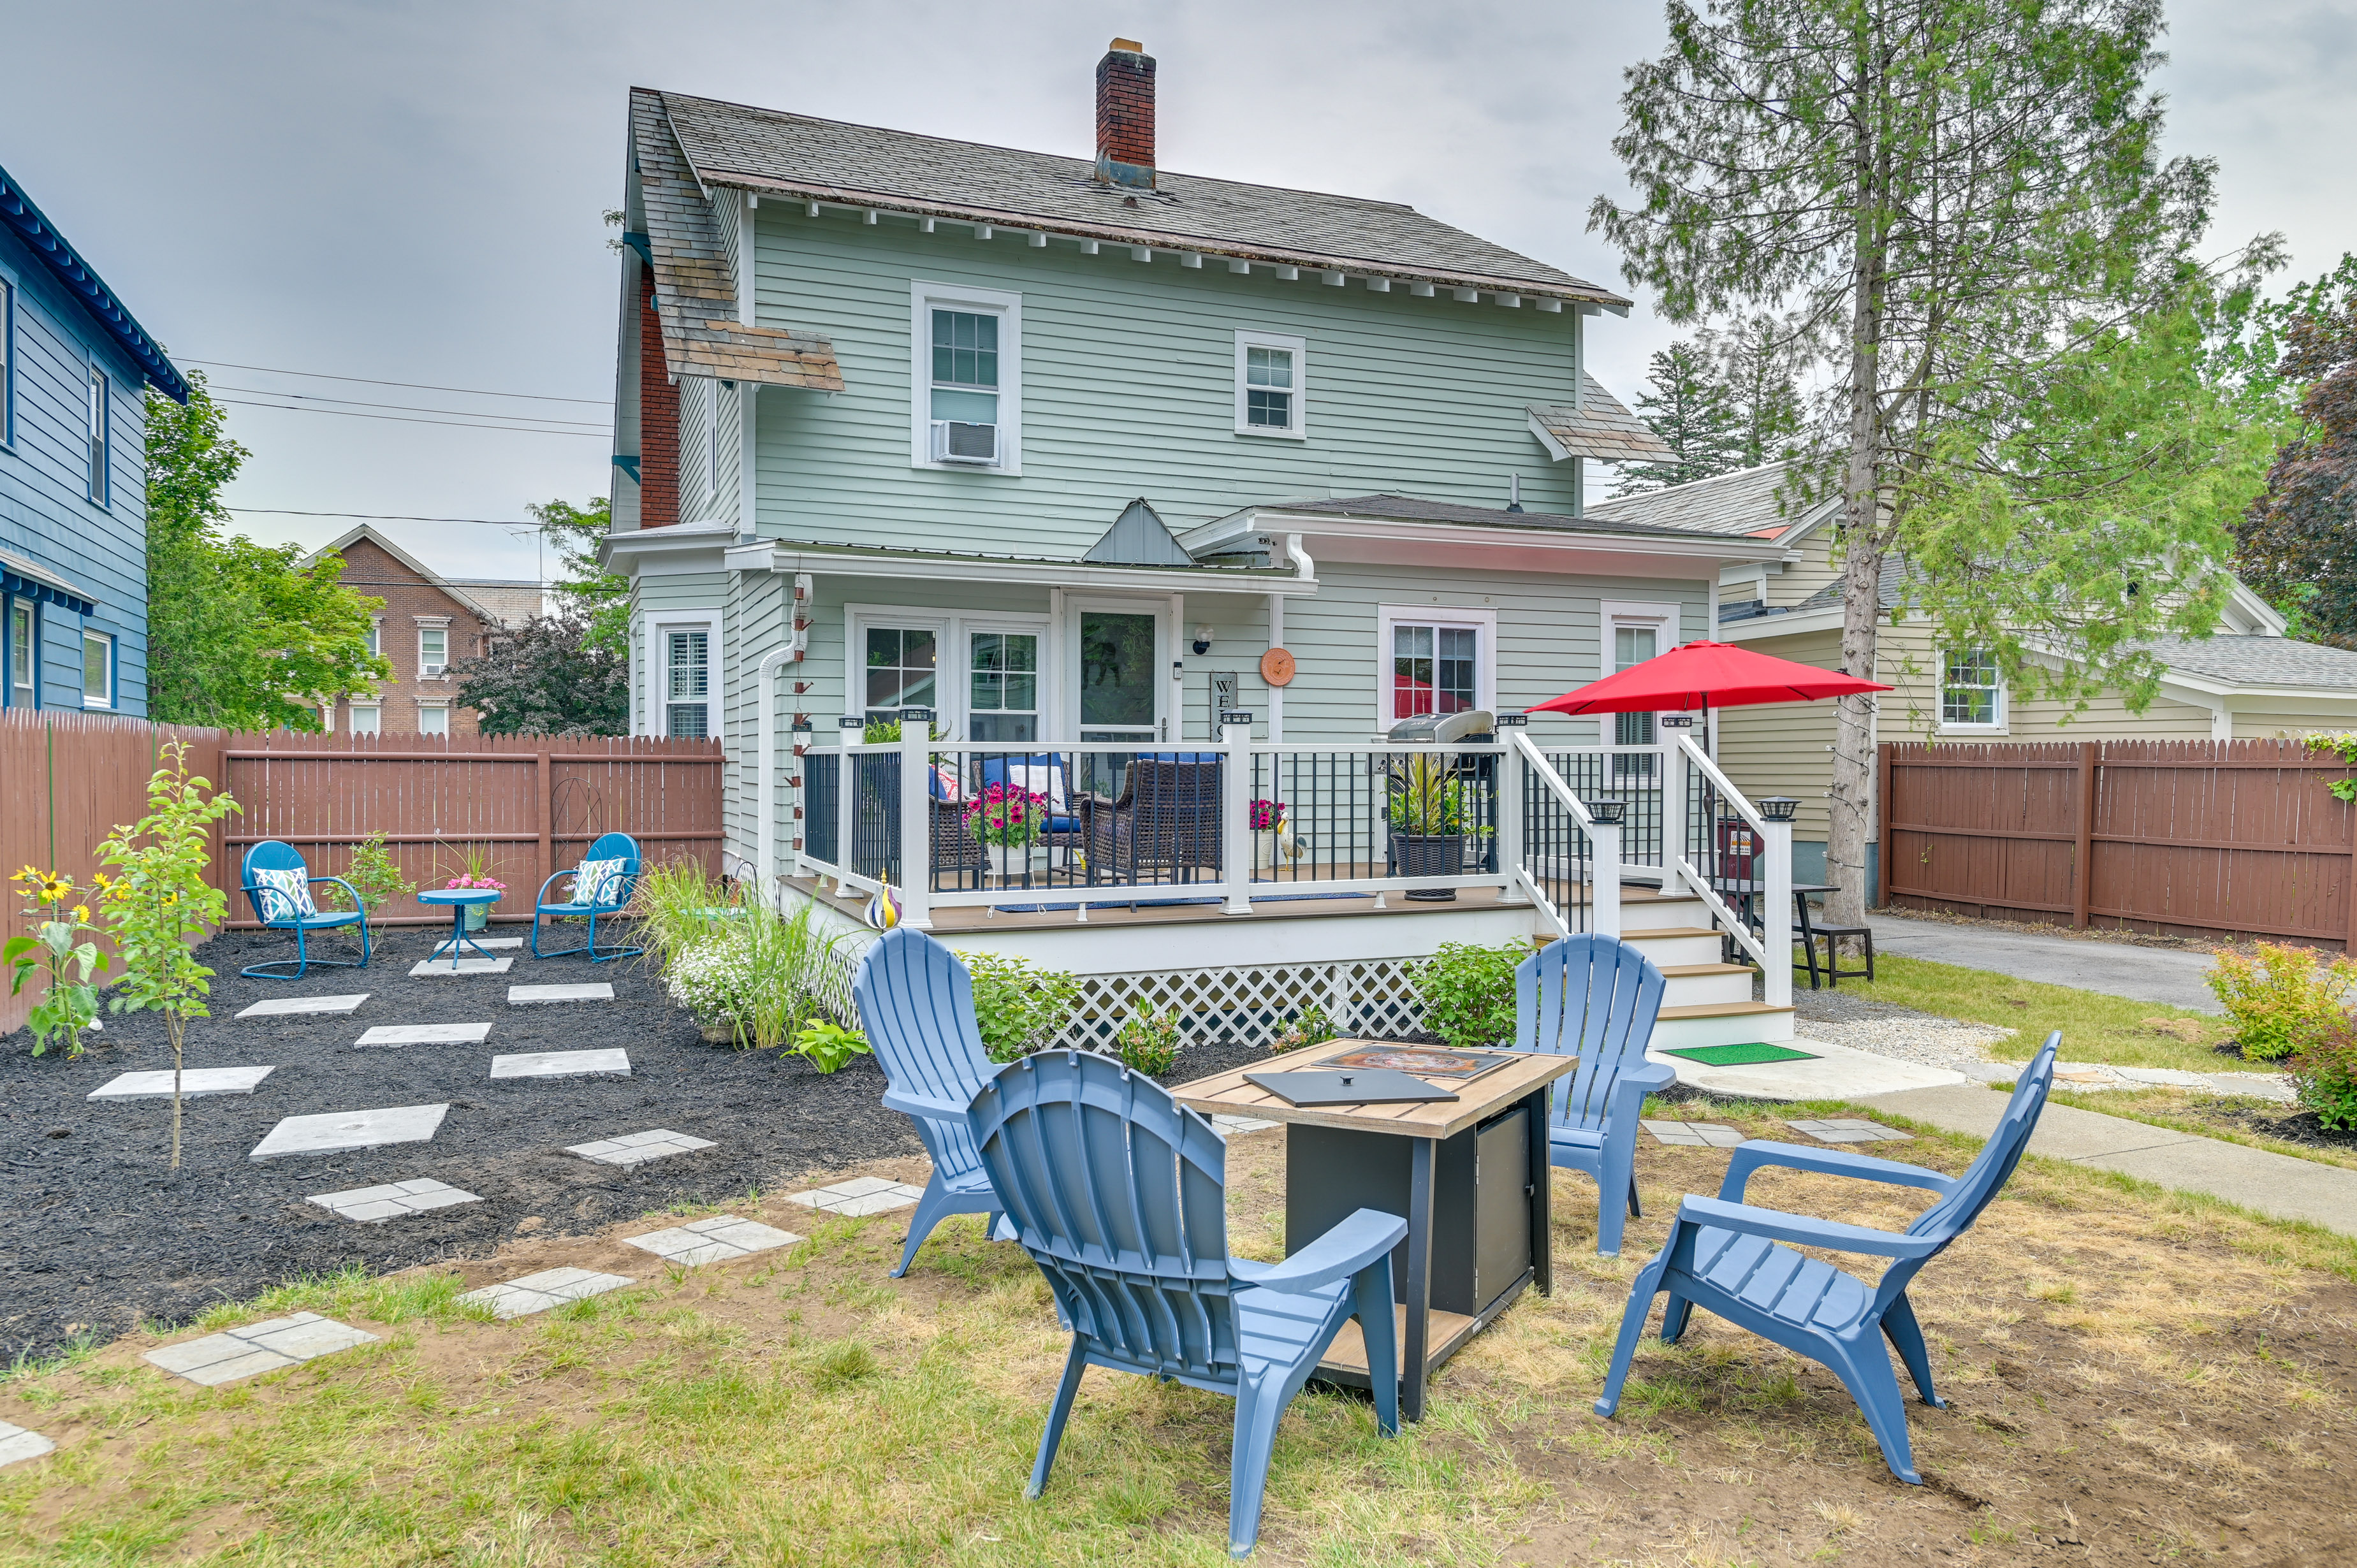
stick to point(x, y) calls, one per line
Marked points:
point(2169, 976)
point(2280, 1185)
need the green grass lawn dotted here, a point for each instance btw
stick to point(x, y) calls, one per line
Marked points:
point(2115, 1030)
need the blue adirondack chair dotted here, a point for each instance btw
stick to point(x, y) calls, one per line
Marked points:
point(1725, 1255)
point(915, 1004)
point(287, 908)
point(1595, 997)
point(1120, 1196)
point(611, 846)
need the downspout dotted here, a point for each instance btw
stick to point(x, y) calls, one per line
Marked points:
point(765, 838)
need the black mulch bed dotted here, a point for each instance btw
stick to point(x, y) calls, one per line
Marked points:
point(101, 1235)
point(2284, 1123)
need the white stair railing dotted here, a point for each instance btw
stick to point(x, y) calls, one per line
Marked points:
point(1770, 881)
point(1604, 848)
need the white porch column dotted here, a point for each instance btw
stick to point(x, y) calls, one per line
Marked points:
point(1604, 879)
point(1276, 693)
point(1236, 811)
point(848, 729)
point(1509, 781)
point(1775, 916)
point(1674, 814)
point(915, 819)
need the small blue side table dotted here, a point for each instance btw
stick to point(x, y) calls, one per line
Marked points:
point(460, 900)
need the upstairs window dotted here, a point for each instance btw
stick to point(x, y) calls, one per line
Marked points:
point(22, 656)
point(687, 686)
point(97, 414)
point(1271, 372)
point(433, 650)
point(967, 373)
point(97, 670)
point(1972, 695)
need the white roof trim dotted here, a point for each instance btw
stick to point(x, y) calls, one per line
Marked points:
point(433, 577)
point(1414, 530)
point(851, 560)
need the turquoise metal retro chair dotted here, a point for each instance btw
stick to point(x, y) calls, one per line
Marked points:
point(282, 901)
point(1120, 1196)
point(1597, 998)
point(915, 1004)
point(617, 899)
point(1726, 1256)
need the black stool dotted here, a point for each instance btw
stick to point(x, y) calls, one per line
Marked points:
point(1835, 974)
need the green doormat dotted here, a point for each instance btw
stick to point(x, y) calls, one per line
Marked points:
point(1740, 1056)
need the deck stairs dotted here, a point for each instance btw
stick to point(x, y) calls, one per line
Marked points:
point(1707, 1002)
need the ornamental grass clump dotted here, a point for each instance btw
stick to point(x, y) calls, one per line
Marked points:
point(60, 947)
point(2282, 1003)
point(157, 903)
point(678, 906)
point(2325, 1075)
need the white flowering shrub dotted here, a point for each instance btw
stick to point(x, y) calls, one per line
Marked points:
point(714, 979)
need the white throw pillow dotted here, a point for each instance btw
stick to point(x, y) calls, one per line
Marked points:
point(285, 895)
point(1048, 780)
point(597, 881)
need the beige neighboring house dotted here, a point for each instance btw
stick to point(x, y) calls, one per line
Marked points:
point(428, 623)
point(2247, 681)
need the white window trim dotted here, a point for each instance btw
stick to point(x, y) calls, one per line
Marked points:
point(1299, 349)
point(352, 723)
point(656, 717)
point(924, 299)
point(112, 684)
point(426, 670)
point(1485, 655)
point(7, 364)
point(98, 409)
point(437, 704)
point(2002, 725)
point(1612, 615)
point(950, 628)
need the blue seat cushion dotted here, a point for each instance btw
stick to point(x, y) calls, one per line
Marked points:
point(1771, 1278)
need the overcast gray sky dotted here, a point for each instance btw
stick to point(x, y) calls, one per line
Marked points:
point(412, 193)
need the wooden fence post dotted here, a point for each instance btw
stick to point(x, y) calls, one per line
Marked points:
point(2083, 869)
point(547, 824)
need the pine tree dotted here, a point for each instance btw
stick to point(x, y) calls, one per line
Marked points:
point(1686, 402)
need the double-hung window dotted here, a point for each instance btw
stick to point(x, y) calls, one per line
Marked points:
point(98, 412)
point(432, 652)
point(7, 362)
point(368, 718)
point(22, 655)
point(903, 670)
point(687, 684)
point(967, 373)
point(1435, 661)
point(97, 670)
point(434, 718)
point(1634, 633)
point(1971, 692)
point(1272, 384)
point(1003, 681)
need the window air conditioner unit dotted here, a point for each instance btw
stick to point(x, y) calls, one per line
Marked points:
point(431, 671)
point(954, 441)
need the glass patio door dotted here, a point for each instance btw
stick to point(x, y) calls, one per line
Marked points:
point(1117, 681)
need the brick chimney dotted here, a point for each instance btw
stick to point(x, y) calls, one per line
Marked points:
point(1125, 115)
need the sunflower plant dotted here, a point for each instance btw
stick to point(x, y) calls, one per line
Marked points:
point(157, 903)
point(61, 945)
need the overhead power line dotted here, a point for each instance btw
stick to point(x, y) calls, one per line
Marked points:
point(412, 408)
point(413, 386)
point(381, 516)
point(397, 419)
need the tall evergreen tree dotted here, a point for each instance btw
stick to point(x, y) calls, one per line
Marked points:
point(1686, 402)
point(1965, 201)
point(1758, 361)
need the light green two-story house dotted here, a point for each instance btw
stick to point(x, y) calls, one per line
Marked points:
point(1062, 449)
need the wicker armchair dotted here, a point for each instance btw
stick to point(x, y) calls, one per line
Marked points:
point(1165, 826)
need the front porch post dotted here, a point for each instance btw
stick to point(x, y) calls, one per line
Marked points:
point(1508, 780)
point(848, 729)
point(1776, 913)
point(917, 819)
point(1236, 811)
point(1604, 875)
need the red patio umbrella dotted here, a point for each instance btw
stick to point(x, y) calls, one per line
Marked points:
point(1701, 673)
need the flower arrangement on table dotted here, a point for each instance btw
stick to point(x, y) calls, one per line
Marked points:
point(1266, 815)
point(462, 882)
point(1008, 816)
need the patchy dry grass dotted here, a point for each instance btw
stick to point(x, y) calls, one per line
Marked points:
point(2132, 1375)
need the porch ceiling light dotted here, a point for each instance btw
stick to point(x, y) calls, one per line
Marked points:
point(1608, 813)
point(1778, 807)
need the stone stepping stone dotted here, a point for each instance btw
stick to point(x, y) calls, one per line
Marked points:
point(714, 1241)
point(292, 1007)
point(194, 1081)
point(637, 1148)
point(18, 1444)
point(259, 1348)
point(375, 1205)
point(862, 1195)
point(562, 1063)
point(538, 1292)
point(1231, 1126)
point(494, 944)
point(426, 1035)
point(1697, 1135)
point(526, 995)
point(340, 1131)
point(462, 966)
point(1850, 1130)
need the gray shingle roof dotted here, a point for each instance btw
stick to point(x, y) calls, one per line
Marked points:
point(1413, 509)
point(695, 297)
point(1745, 501)
point(830, 160)
point(1600, 427)
point(2244, 661)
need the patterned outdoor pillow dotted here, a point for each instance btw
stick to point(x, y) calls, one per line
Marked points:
point(597, 881)
point(285, 895)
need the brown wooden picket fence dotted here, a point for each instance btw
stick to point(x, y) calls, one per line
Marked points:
point(2188, 838)
point(532, 804)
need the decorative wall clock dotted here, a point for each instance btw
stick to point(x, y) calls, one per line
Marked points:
point(1277, 667)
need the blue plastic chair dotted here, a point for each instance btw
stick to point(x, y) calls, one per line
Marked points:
point(272, 855)
point(612, 847)
point(1120, 1196)
point(1595, 997)
point(915, 1004)
point(1726, 1256)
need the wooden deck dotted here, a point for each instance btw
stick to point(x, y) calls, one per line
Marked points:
point(1271, 905)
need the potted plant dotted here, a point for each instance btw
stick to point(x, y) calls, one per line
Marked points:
point(1426, 808)
point(1010, 820)
point(474, 871)
point(1267, 820)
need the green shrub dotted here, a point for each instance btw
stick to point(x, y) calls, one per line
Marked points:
point(1310, 1027)
point(1148, 1043)
point(373, 875)
point(2282, 1002)
point(2325, 1074)
point(1018, 1008)
point(1468, 992)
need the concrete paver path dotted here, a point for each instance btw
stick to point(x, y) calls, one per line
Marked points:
point(2169, 976)
point(2282, 1185)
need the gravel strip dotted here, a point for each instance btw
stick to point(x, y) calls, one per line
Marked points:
point(1900, 1033)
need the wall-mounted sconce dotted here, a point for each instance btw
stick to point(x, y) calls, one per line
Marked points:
point(1202, 639)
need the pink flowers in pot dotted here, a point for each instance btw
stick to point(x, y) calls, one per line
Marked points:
point(1007, 815)
point(1266, 815)
point(483, 884)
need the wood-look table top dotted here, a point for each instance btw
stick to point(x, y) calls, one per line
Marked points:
point(1228, 1093)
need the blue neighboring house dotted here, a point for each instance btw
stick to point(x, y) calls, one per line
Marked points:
point(73, 494)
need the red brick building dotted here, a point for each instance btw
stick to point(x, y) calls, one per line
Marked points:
point(428, 623)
